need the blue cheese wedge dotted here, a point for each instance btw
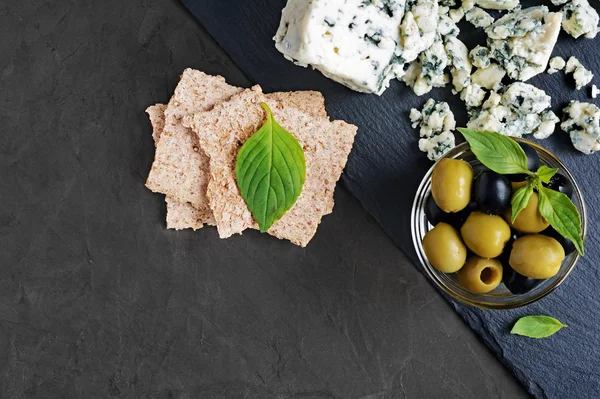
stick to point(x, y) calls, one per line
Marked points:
point(581, 75)
point(497, 4)
point(460, 65)
point(521, 43)
point(582, 122)
point(436, 122)
point(580, 19)
point(520, 109)
point(353, 42)
point(556, 64)
point(479, 18)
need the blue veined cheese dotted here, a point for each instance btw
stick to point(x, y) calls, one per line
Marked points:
point(427, 71)
point(497, 4)
point(479, 18)
point(456, 15)
point(460, 65)
point(521, 109)
point(580, 18)
point(559, 2)
point(517, 23)
point(581, 75)
point(490, 77)
point(582, 122)
point(353, 42)
point(447, 27)
point(480, 57)
point(417, 30)
point(472, 95)
point(436, 122)
point(526, 55)
point(556, 64)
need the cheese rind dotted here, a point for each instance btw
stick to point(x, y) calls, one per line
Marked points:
point(353, 42)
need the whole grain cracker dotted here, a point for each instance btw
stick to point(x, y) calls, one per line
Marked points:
point(223, 130)
point(180, 167)
point(188, 95)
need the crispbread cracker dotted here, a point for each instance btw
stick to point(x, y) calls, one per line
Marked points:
point(180, 168)
point(181, 215)
point(223, 130)
point(156, 113)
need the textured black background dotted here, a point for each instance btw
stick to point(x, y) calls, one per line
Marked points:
point(98, 300)
point(385, 168)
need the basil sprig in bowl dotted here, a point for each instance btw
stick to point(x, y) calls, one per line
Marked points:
point(501, 297)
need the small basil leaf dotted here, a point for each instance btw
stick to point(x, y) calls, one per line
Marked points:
point(520, 199)
point(537, 326)
point(270, 172)
point(499, 153)
point(545, 173)
point(562, 214)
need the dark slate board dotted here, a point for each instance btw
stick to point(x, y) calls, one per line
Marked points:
point(385, 168)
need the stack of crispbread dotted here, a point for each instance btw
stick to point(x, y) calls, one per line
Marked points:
point(199, 133)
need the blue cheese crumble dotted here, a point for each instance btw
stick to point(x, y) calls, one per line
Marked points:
point(520, 109)
point(479, 18)
point(582, 122)
point(480, 57)
point(580, 19)
point(436, 122)
point(497, 4)
point(354, 42)
point(556, 64)
point(581, 75)
point(522, 43)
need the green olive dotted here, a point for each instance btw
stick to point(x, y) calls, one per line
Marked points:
point(451, 184)
point(529, 219)
point(536, 256)
point(485, 234)
point(480, 275)
point(444, 248)
point(517, 185)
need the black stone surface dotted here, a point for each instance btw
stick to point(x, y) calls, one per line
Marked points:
point(99, 300)
point(385, 168)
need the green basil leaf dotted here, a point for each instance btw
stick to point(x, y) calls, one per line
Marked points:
point(562, 214)
point(499, 153)
point(520, 199)
point(270, 172)
point(537, 326)
point(545, 173)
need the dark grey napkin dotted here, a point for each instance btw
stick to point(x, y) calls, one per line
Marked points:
point(385, 168)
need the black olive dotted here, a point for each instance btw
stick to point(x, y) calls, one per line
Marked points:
point(517, 283)
point(433, 212)
point(492, 192)
point(505, 256)
point(561, 184)
point(458, 219)
point(567, 244)
point(478, 169)
point(533, 162)
point(435, 215)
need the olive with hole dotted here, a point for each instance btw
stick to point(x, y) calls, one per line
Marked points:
point(492, 192)
point(533, 162)
point(444, 248)
point(451, 183)
point(480, 275)
point(485, 235)
point(517, 283)
point(536, 256)
point(560, 183)
point(530, 219)
point(567, 244)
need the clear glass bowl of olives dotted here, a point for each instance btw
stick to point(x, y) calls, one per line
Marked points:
point(473, 249)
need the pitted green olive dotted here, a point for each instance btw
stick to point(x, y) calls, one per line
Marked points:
point(485, 234)
point(480, 275)
point(444, 248)
point(529, 219)
point(451, 184)
point(536, 256)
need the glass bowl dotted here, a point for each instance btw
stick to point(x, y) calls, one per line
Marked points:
point(501, 297)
